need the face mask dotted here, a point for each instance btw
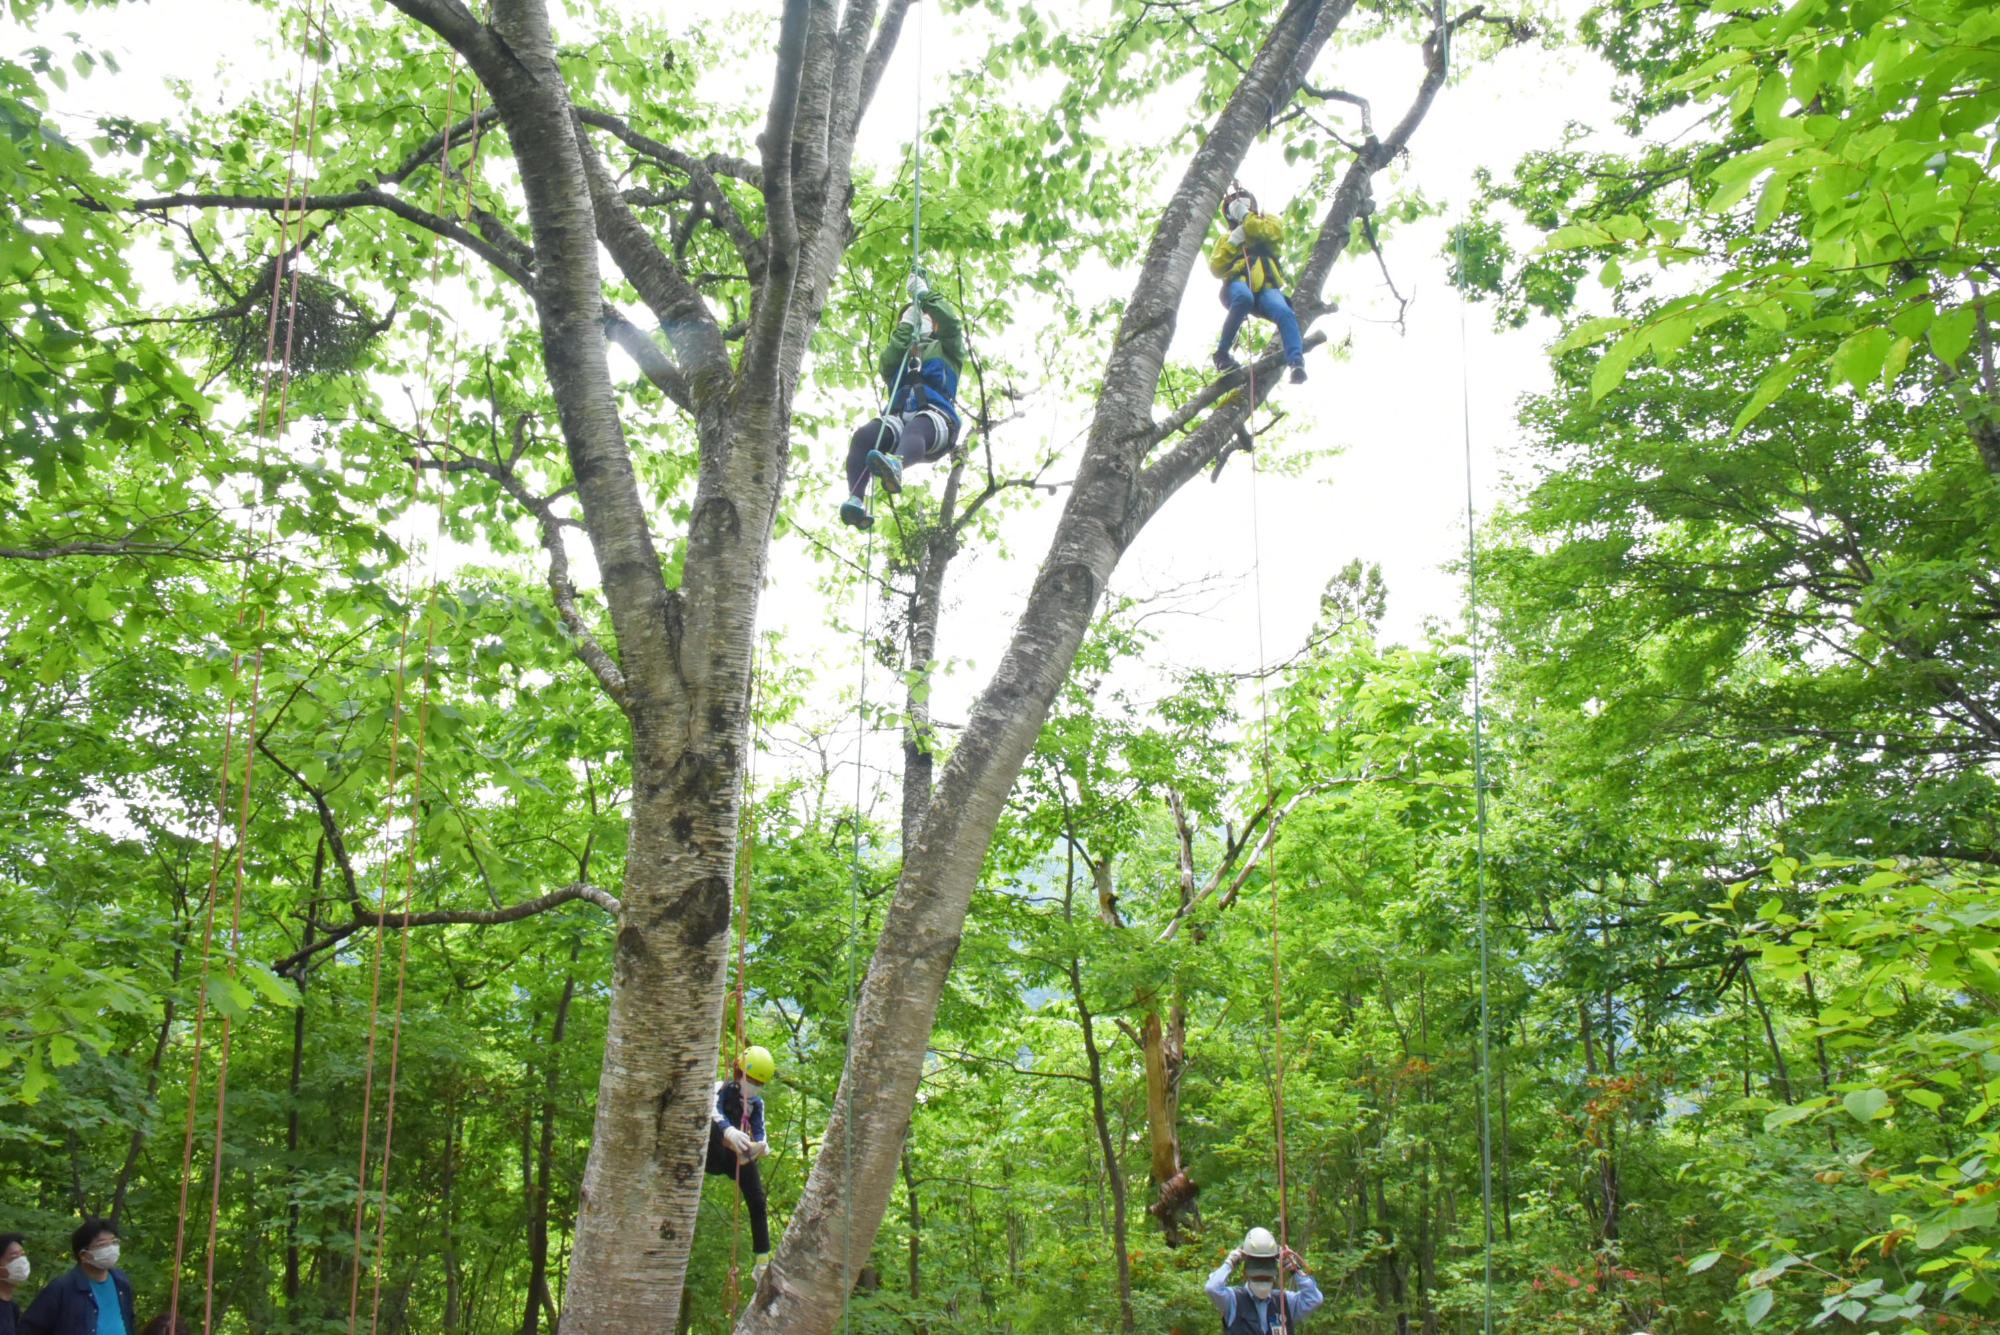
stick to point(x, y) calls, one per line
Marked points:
point(753, 1088)
point(1236, 209)
point(16, 1270)
point(1260, 1289)
point(103, 1257)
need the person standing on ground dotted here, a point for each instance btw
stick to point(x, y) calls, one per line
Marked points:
point(13, 1274)
point(93, 1297)
point(1257, 1306)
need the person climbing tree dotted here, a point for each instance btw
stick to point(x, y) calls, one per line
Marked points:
point(920, 366)
point(1246, 260)
point(1248, 1308)
point(736, 1142)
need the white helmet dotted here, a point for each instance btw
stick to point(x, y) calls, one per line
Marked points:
point(1259, 1244)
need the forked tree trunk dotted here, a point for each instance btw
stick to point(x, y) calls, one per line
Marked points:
point(1121, 483)
point(679, 665)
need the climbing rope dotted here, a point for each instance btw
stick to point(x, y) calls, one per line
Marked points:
point(861, 721)
point(746, 873)
point(444, 409)
point(1478, 748)
point(1271, 861)
point(282, 376)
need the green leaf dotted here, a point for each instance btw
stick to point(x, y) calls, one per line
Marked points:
point(1703, 1262)
point(1928, 1098)
point(1859, 359)
point(1951, 333)
point(1768, 391)
point(1933, 1234)
point(1759, 1306)
point(1611, 367)
point(1865, 1105)
point(1588, 332)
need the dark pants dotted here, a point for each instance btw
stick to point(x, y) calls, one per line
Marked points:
point(722, 1163)
point(912, 437)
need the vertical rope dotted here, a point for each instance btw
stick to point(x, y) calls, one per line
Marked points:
point(1271, 860)
point(746, 873)
point(861, 730)
point(249, 721)
point(413, 833)
point(442, 408)
point(854, 942)
point(411, 838)
point(1478, 748)
point(1479, 800)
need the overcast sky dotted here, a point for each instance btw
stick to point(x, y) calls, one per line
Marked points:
point(1393, 408)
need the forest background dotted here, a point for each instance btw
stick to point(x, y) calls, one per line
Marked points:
point(1741, 711)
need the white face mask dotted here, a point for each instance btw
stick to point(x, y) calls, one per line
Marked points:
point(1237, 209)
point(103, 1256)
point(16, 1270)
point(1260, 1289)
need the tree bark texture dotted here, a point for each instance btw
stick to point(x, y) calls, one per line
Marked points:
point(677, 658)
point(1120, 485)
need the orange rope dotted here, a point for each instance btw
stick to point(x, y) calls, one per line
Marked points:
point(249, 749)
point(413, 835)
point(403, 957)
point(732, 1294)
point(375, 996)
point(201, 992)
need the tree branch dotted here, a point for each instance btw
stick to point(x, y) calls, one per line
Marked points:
point(781, 224)
point(568, 894)
point(561, 590)
point(363, 198)
point(701, 173)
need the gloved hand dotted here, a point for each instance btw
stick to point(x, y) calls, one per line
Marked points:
point(759, 1148)
point(1291, 1261)
point(738, 1142)
point(1236, 237)
point(1235, 1257)
point(913, 316)
point(919, 289)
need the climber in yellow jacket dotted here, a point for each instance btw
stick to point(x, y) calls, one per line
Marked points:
point(1246, 260)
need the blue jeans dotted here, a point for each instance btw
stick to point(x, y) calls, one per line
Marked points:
point(1271, 305)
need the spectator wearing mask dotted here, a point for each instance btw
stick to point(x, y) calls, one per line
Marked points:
point(92, 1298)
point(13, 1274)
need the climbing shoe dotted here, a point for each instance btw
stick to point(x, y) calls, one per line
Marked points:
point(1224, 362)
point(1298, 376)
point(888, 469)
point(854, 514)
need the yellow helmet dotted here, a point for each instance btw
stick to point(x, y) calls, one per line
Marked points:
point(757, 1064)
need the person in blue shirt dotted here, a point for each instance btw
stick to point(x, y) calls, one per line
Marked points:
point(13, 1274)
point(920, 367)
point(94, 1298)
point(736, 1142)
point(1257, 1306)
